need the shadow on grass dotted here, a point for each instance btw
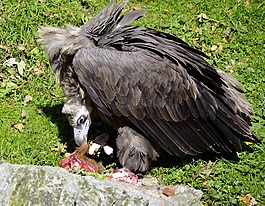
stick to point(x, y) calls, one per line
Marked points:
point(60, 120)
point(170, 161)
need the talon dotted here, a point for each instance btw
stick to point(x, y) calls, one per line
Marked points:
point(95, 147)
point(108, 150)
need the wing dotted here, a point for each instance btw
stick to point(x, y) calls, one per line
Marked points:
point(161, 99)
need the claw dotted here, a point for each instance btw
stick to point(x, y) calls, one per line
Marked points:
point(108, 150)
point(94, 148)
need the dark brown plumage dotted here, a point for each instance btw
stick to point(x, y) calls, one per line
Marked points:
point(150, 81)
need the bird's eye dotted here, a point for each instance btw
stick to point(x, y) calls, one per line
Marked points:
point(81, 120)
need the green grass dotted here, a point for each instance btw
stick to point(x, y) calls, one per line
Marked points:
point(232, 34)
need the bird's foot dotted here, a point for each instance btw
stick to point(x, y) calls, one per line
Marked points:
point(95, 147)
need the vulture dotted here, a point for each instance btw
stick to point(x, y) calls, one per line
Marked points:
point(157, 92)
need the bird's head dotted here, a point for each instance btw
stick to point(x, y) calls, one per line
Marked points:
point(79, 118)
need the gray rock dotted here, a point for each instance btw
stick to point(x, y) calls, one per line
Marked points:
point(36, 185)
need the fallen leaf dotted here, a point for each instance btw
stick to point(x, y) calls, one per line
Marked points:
point(136, 8)
point(3, 47)
point(27, 99)
point(203, 16)
point(54, 95)
point(23, 113)
point(230, 9)
point(246, 3)
point(228, 31)
point(198, 31)
point(21, 67)
point(18, 126)
point(39, 111)
point(21, 47)
point(220, 49)
point(214, 47)
point(7, 48)
point(11, 62)
point(242, 63)
point(224, 40)
point(214, 34)
point(38, 71)
point(206, 185)
point(3, 77)
point(248, 200)
point(168, 191)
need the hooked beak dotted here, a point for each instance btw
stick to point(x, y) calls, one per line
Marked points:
point(80, 132)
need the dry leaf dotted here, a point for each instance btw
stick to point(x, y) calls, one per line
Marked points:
point(3, 77)
point(27, 99)
point(7, 48)
point(198, 31)
point(220, 49)
point(203, 16)
point(54, 95)
point(246, 3)
point(21, 47)
point(248, 200)
point(168, 191)
point(230, 9)
point(213, 48)
point(18, 126)
point(23, 113)
point(21, 67)
point(206, 185)
point(224, 40)
point(136, 8)
point(38, 71)
point(39, 111)
point(228, 31)
point(3, 47)
point(242, 63)
point(11, 62)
